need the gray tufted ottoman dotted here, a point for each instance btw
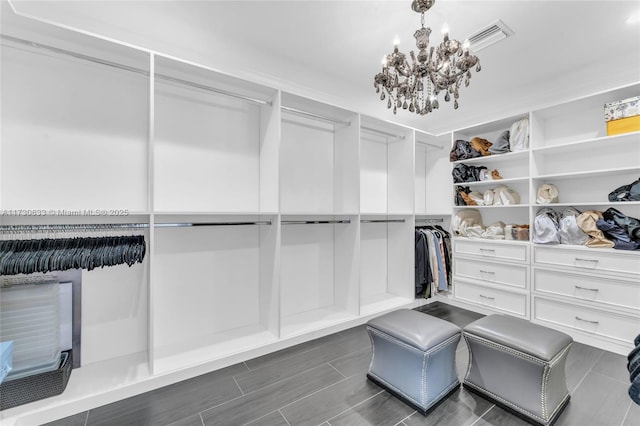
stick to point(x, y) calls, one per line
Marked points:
point(414, 356)
point(518, 365)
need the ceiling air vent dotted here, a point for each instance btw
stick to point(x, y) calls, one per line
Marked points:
point(489, 35)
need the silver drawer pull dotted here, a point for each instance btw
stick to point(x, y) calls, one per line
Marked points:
point(585, 288)
point(590, 322)
point(487, 272)
point(581, 259)
point(488, 250)
point(487, 297)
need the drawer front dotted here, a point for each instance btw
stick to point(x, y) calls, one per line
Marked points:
point(495, 273)
point(589, 259)
point(489, 250)
point(588, 287)
point(506, 301)
point(605, 324)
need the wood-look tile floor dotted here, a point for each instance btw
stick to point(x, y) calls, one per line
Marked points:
point(323, 382)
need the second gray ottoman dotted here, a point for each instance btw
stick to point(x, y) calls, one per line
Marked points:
point(414, 356)
point(518, 365)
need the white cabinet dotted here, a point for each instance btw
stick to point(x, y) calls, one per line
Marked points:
point(591, 293)
point(594, 294)
point(493, 277)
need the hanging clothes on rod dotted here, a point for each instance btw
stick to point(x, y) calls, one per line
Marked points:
point(432, 260)
point(45, 248)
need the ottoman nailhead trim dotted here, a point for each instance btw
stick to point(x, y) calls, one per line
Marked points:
point(425, 356)
point(545, 378)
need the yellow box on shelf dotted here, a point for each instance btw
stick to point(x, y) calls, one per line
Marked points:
point(623, 125)
point(622, 116)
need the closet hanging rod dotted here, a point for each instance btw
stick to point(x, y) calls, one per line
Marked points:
point(430, 220)
point(316, 116)
point(380, 132)
point(313, 222)
point(430, 144)
point(382, 221)
point(188, 225)
point(211, 89)
point(131, 69)
point(111, 226)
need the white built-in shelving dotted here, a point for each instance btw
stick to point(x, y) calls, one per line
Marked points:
point(303, 213)
point(591, 293)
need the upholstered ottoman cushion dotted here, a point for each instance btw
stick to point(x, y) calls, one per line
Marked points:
point(414, 356)
point(518, 365)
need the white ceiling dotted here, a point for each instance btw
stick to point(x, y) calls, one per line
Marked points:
point(330, 50)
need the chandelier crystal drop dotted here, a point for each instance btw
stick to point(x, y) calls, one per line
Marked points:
point(416, 87)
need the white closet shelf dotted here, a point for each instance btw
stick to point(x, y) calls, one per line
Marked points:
point(605, 204)
point(490, 159)
point(208, 348)
point(493, 182)
point(590, 173)
point(317, 319)
point(605, 142)
point(381, 302)
point(100, 378)
point(513, 206)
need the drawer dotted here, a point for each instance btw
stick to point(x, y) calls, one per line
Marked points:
point(506, 301)
point(492, 250)
point(588, 287)
point(495, 273)
point(589, 259)
point(594, 321)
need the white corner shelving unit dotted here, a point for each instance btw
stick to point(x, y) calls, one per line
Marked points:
point(591, 293)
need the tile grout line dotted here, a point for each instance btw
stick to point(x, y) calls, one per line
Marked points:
point(86, 419)
point(201, 419)
point(406, 418)
point(626, 414)
point(329, 364)
point(482, 415)
point(354, 406)
point(277, 381)
point(284, 417)
point(311, 394)
point(236, 382)
point(588, 371)
point(612, 378)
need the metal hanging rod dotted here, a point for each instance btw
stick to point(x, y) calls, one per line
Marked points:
point(313, 222)
point(210, 89)
point(430, 144)
point(131, 69)
point(382, 221)
point(380, 132)
point(188, 225)
point(430, 220)
point(110, 226)
point(316, 116)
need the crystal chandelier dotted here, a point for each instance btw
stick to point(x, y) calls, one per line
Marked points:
point(416, 87)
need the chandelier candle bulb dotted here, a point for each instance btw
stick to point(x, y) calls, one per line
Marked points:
point(433, 69)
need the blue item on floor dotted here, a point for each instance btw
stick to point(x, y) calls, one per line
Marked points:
point(6, 358)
